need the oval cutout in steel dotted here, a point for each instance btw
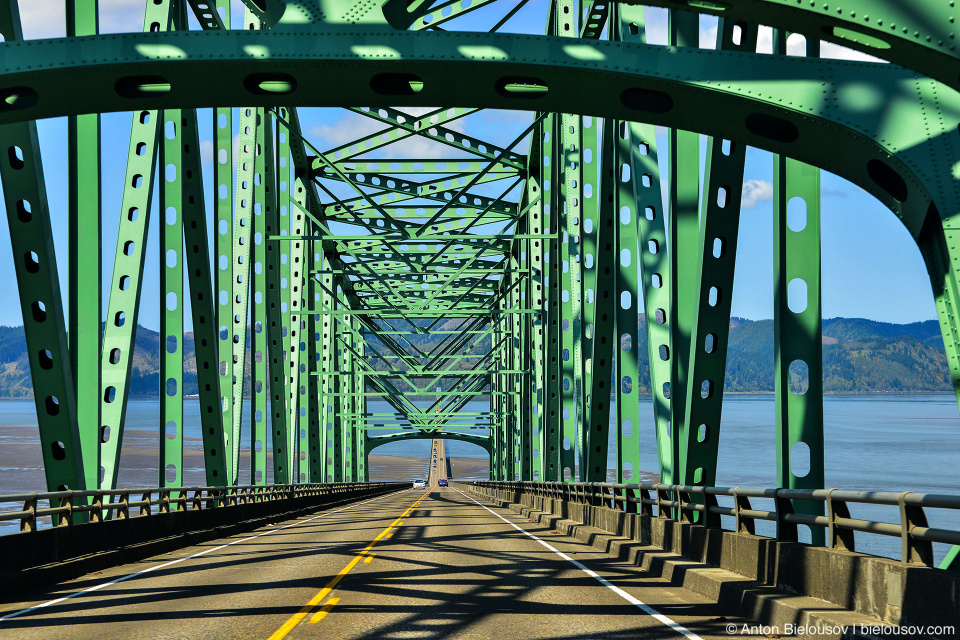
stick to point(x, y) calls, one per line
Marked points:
point(887, 179)
point(141, 87)
point(270, 84)
point(772, 127)
point(17, 98)
point(522, 88)
point(396, 84)
point(648, 100)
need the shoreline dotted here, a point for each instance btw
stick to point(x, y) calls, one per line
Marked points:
point(866, 394)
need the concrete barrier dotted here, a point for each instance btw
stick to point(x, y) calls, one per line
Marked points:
point(880, 590)
point(52, 555)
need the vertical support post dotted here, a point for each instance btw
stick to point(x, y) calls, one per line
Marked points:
point(172, 192)
point(590, 210)
point(315, 382)
point(249, 174)
point(298, 365)
point(31, 238)
point(360, 439)
point(627, 292)
point(519, 435)
point(124, 305)
point(626, 297)
point(344, 366)
point(265, 203)
point(85, 272)
point(338, 403)
point(684, 189)
point(605, 314)
point(550, 441)
point(194, 215)
point(276, 250)
point(719, 229)
point(640, 147)
point(533, 196)
point(328, 383)
point(494, 399)
point(798, 323)
point(223, 245)
point(171, 292)
point(568, 153)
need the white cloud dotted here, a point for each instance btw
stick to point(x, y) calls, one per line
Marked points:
point(207, 149)
point(42, 18)
point(206, 152)
point(755, 192)
point(350, 127)
point(47, 18)
point(121, 16)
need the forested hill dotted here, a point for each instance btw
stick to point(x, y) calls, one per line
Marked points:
point(859, 356)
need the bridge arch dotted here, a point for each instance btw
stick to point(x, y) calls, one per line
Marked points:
point(372, 443)
point(819, 111)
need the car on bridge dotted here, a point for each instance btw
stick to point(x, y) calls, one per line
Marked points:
point(419, 484)
point(442, 482)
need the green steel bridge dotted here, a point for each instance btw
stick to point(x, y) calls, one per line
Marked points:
point(323, 282)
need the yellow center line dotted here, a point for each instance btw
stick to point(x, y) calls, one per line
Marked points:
point(320, 615)
point(369, 557)
point(323, 593)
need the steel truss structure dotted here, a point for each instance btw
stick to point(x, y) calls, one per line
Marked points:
point(512, 272)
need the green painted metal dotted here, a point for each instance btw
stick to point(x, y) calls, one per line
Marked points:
point(223, 164)
point(265, 204)
point(717, 241)
point(171, 291)
point(84, 316)
point(202, 305)
point(249, 150)
point(386, 283)
point(683, 151)
point(604, 286)
point(275, 257)
point(798, 323)
point(123, 309)
point(65, 454)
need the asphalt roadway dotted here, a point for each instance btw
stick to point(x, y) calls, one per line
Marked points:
point(438, 464)
point(413, 564)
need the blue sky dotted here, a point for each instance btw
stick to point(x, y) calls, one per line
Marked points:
point(871, 267)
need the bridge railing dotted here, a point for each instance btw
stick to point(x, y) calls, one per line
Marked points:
point(65, 507)
point(681, 502)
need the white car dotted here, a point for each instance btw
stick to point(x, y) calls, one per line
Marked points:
point(419, 484)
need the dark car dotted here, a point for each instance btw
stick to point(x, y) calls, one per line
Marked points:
point(442, 482)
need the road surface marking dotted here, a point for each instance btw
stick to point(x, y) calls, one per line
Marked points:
point(179, 560)
point(323, 593)
point(320, 615)
point(623, 594)
point(369, 558)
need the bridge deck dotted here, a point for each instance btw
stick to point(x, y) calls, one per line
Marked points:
point(416, 564)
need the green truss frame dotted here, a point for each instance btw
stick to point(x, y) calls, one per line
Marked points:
point(509, 273)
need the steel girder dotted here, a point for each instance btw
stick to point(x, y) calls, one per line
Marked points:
point(860, 102)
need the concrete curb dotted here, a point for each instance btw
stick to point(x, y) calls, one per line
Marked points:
point(628, 539)
point(55, 555)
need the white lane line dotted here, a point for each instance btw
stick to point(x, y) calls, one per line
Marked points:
point(196, 555)
point(623, 594)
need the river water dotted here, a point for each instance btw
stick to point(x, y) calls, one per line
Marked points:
point(880, 443)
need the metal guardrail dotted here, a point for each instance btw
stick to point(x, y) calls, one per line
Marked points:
point(67, 507)
point(678, 502)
